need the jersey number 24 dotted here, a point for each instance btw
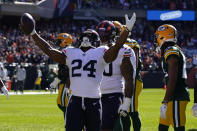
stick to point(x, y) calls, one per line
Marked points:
point(89, 66)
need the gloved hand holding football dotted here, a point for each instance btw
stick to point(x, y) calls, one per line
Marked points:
point(27, 24)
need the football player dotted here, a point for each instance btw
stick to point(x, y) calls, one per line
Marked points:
point(86, 65)
point(112, 83)
point(194, 108)
point(4, 89)
point(172, 111)
point(63, 40)
point(138, 86)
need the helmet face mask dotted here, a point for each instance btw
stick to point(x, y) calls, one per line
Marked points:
point(89, 38)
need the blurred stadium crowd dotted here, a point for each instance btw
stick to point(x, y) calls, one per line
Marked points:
point(127, 4)
point(139, 4)
point(18, 48)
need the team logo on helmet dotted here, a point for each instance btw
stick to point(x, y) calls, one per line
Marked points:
point(107, 31)
point(165, 33)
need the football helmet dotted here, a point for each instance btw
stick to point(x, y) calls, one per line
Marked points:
point(64, 39)
point(118, 26)
point(132, 43)
point(107, 31)
point(165, 33)
point(123, 29)
point(89, 38)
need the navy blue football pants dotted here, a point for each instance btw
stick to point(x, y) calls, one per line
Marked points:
point(83, 112)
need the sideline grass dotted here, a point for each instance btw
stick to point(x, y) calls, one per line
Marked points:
point(40, 112)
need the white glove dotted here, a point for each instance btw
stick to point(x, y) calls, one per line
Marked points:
point(194, 110)
point(163, 110)
point(54, 83)
point(5, 91)
point(130, 22)
point(124, 108)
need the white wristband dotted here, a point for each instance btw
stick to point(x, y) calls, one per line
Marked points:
point(33, 32)
point(127, 101)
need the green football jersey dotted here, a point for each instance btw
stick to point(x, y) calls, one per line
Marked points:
point(181, 91)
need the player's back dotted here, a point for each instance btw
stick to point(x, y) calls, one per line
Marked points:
point(112, 81)
point(85, 69)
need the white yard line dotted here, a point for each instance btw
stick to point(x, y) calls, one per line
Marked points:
point(31, 93)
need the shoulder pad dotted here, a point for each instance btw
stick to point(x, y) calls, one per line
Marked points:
point(171, 51)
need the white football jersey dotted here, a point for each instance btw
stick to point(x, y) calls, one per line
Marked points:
point(85, 70)
point(112, 81)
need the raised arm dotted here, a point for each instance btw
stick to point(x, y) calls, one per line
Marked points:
point(54, 54)
point(27, 25)
point(111, 54)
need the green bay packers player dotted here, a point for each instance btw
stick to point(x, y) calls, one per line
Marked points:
point(173, 108)
point(138, 85)
point(63, 40)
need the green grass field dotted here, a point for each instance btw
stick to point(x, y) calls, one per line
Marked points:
point(40, 112)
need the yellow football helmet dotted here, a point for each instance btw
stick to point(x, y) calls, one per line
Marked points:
point(64, 39)
point(118, 25)
point(165, 33)
point(132, 43)
point(123, 29)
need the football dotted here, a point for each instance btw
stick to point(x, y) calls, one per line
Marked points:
point(27, 23)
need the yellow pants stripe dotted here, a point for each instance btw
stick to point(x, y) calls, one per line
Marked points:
point(62, 98)
point(136, 92)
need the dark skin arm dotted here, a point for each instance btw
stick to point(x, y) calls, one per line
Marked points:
point(54, 54)
point(111, 54)
point(172, 74)
point(68, 83)
point(127, 72)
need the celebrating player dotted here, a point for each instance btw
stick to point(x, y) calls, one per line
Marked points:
point(112, 83)
point(172, 111)
point(138, 86)
point(86, 65)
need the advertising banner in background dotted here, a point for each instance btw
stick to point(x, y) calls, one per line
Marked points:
point(176, 15)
